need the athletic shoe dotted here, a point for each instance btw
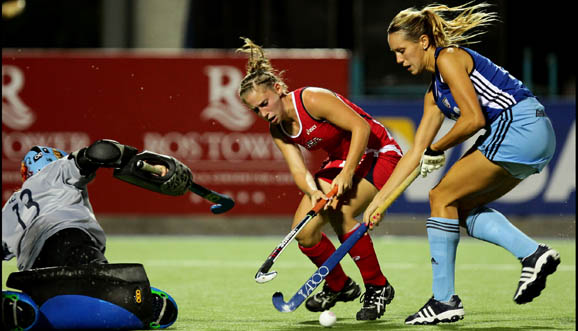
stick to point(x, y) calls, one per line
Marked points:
point(19, 312)
point(374, 300)
point(165, 309)
point(434, 312)
point(535, 269)
point(327, 298)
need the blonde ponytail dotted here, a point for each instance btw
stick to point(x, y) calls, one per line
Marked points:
point(442, 31)
point(259, 70)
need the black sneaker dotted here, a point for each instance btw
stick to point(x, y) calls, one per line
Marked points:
point(165, 309)
point(374, 300)
point(535, 269)
point(434, 312)
point(326, 298)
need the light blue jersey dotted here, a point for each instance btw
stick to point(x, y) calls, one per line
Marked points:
point(519, 136)
point(496, 89)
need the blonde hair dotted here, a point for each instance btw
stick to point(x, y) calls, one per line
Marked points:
point(259, 69)
point(443, 32)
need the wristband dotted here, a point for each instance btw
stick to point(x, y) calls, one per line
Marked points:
point(431, 152)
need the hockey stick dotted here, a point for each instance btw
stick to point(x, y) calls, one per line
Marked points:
point(263, 275)
point(320, 274)
point(222, 202)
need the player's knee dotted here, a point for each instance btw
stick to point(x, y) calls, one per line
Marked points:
point(344, 225)
point(434, 198)
point(308, 239)
point(439, 199)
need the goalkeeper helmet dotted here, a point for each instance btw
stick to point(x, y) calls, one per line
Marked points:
point(37, 158)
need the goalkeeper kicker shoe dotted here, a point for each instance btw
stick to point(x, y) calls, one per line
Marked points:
point(326, 298)
point(165, 309)
point(434, 312)
point(535, 269)
point(374, 300)
point(19, 311)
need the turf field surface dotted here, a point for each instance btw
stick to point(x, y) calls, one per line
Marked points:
point(212, 280)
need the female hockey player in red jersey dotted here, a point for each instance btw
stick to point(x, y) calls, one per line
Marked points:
point(361, 156)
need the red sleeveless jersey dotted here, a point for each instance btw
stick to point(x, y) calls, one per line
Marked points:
point(315, 134)
point(320, 134)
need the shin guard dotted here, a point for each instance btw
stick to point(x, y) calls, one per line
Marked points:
point(318, 254)
point(363, 254)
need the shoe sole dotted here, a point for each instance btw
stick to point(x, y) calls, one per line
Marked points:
point(546, 265)
point(445, 317)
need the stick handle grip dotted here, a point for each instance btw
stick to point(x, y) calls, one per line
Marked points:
point(397, 192)
point(140, 164)
point(321, 203)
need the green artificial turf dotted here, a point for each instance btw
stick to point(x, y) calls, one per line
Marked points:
point(212, 281)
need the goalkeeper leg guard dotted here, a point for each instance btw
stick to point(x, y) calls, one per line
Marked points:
point(93, 296)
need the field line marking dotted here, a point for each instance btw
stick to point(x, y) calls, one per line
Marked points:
point(293, 265)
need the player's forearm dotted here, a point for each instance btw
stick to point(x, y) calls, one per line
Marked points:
point(305, 182)
point(359, 140)
point(460, 132)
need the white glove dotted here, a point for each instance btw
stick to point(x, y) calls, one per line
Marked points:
point(431, 160)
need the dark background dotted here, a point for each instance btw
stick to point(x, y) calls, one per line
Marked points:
point(540, 29)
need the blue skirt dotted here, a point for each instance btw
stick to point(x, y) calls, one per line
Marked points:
point(521, 139)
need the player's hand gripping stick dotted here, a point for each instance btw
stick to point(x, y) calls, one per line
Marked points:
point(320, 274)
point(263, 275)
point(222, 202)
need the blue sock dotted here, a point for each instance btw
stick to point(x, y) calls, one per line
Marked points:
point(443, 235)
point(490, 225)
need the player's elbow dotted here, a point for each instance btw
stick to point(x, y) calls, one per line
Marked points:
point(478, 123)
point(474, 124)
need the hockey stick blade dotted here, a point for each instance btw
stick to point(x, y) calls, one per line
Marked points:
point(222, 202)
point(317, 278)
point(263, 275)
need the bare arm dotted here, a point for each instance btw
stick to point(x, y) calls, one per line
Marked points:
point(294, 158)
point(429, 126)
point(323, 104)
point(454, 65)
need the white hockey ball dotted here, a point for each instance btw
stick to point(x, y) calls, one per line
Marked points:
point(327, 318)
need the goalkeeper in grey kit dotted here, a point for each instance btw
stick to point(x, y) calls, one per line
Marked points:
point(51, 229)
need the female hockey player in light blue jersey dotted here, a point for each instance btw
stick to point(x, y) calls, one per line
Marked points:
point(66, 281)
point(519, 141)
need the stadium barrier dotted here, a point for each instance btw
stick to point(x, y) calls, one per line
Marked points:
point(185, 105)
